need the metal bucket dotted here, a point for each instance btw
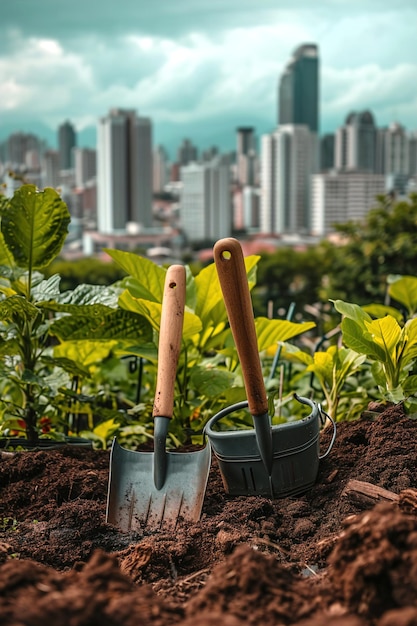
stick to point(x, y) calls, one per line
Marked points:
point(296, 454)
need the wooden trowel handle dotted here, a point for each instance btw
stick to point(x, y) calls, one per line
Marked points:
point(170, 334)
point(231, 270)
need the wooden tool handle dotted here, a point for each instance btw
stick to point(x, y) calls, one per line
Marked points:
point(170, 335)
point(231, 270)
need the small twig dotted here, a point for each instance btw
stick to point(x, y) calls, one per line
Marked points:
point(275, 546)
point(271, 544)
point(187, 579)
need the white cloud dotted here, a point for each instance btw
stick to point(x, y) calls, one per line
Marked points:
point(389, 92)
point(367, 61)
point(39, 76)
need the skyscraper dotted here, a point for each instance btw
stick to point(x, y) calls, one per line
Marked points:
point(327, 152)
point(298, 92)
point(18, 145)
point(67, 140)
point(355, 143)
point(392, 150)
point(160, 168)
point(287, 163)
point(205, 206)
point(85, 164)
point(187, 153)
point(245, 155)
point(339, 197)
point(124, 171)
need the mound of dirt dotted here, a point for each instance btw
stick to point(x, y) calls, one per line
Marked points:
point(343, 554)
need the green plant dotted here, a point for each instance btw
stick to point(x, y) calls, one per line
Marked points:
point(35, 317)
point(33, 228)
point(336, 371)
point(390, 347)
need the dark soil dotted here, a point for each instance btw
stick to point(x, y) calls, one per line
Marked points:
point(333, 556)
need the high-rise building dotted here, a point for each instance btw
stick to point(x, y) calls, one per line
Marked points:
point(245, 155)
point(355, 143)
point(288, 160)
point(205, 205)
point(339, 197)
point(327, 152)
point(298, 92)
point(17, 147)
point(67, 140)
point(85, 163)
point(187, 153)
point(392, 150)
point(160, 168)
point(392, 157)
point(50, 169)
point(412, 153)
point(124, 171)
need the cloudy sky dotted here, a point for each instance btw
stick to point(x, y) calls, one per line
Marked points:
point(199, 68)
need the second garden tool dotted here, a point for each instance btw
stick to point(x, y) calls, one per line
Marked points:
point(231, 270)
point(277, 460)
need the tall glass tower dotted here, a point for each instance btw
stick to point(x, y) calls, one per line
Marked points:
point(67, 140)
point(298, 93)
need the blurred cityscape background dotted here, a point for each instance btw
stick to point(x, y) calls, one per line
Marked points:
point(288, 187)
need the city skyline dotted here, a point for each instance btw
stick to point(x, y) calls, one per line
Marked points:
point(198, 69)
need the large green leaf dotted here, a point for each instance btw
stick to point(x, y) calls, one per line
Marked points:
point(210, 307)
point(85, 353)
point(211, 382)
point(91, 294)
point(269, 332)
point(6, 257)
point(380, 310)
point(291, 353)
point(45, 290)
point(352, 311)
point(335, 365)
point(209, 294)
point(97, 321)
point(152, 312)
point(385, 332)
point(17, 308)
point(356, 337)
point(409, 352)
point(322, 366)
point(404, 291)
point(149, 278)
point(34, 226)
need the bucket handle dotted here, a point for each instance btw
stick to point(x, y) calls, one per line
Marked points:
point(244, 404)
point(323, 417)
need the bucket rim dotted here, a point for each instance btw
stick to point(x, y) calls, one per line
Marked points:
point(208, 429)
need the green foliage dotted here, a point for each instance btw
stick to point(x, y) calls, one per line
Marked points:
point(34, 225)
point(384, 243)
point(289, 275)
point(65, 353)
point(34, 315)
point(390, 348)
point(335, 370)
point(85, 270)
point(209, 375)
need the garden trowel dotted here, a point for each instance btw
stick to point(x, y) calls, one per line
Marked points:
point(156, 489)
